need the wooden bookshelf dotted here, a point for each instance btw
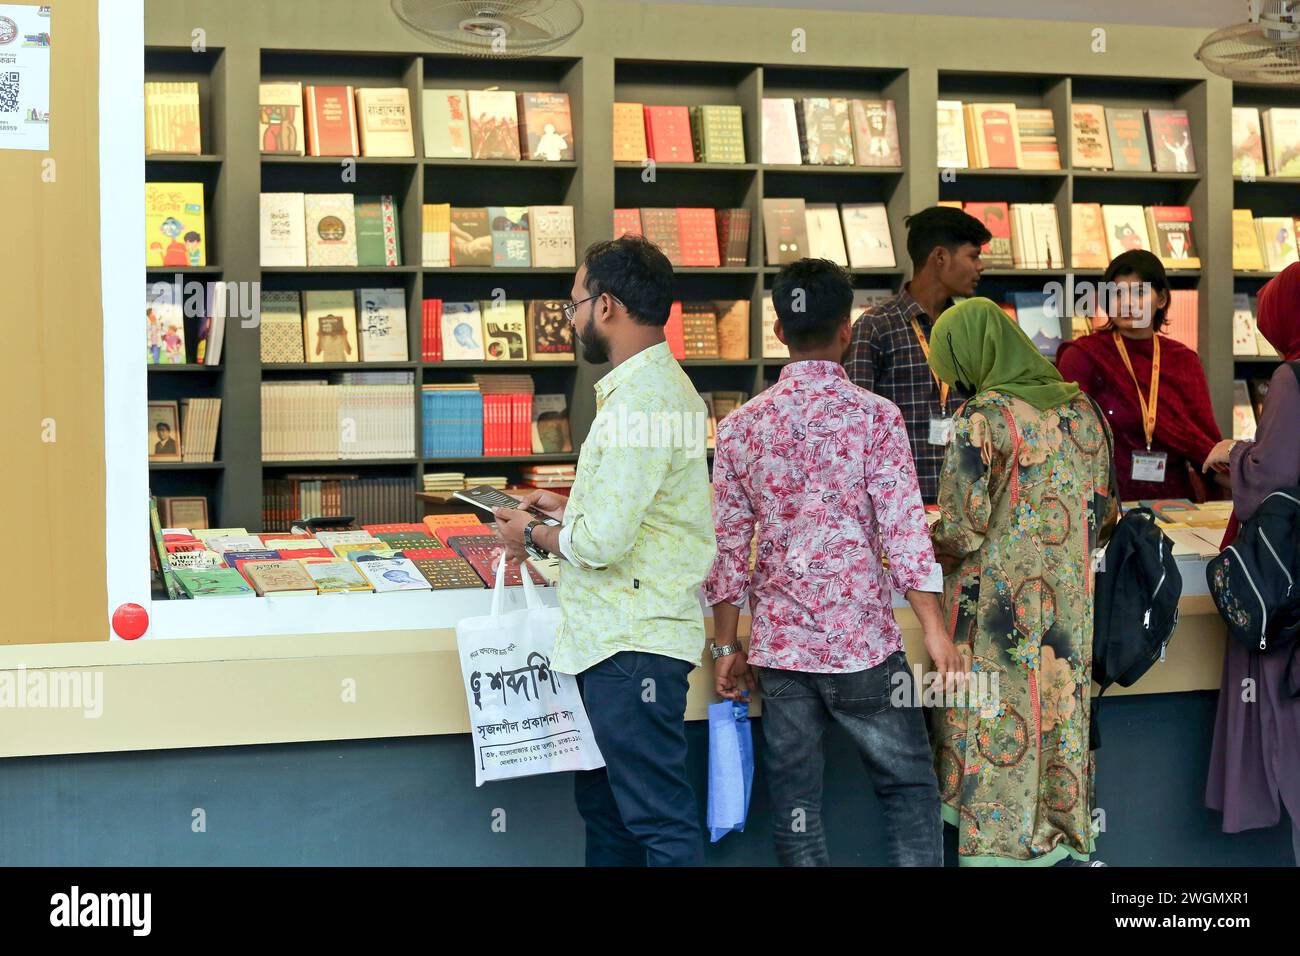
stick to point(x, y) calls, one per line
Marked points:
point(679, 63)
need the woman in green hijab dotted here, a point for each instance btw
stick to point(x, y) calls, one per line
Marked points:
point(1024, 499)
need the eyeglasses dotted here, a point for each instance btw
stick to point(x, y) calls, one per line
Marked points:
point(571, 308)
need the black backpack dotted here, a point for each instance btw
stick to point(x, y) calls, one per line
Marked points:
point(1255, 581)
point(1136, 594)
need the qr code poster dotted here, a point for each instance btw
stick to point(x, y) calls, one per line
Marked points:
point(24, 76)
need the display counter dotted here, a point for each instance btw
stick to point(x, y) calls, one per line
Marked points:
point(216, 673)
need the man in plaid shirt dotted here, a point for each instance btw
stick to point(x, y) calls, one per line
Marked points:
point(889, 351)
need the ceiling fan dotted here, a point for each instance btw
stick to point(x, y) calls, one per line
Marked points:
point(500, 29)
point(1265, 49)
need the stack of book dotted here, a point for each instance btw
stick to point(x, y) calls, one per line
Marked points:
point(1131, 140)
point(710, 133)
point(1267, 143)
point(1102, 232)
point(1264, 243)
point(365, 325)
point(509, 330)
point(1025, 235)
point(830, 131)
point(299, 496)
point(690, 236)
point(709, 330)
point(1247, 341)
point(314, 420)
point(332, 230)
point(855, 235)
point(497, 124)
point(550, 477)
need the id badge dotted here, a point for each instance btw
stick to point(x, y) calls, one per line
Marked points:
point(1149, 465)
point(940, 431)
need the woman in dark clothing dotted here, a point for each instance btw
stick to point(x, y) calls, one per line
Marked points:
point(1255, 760)
point(1163, 429)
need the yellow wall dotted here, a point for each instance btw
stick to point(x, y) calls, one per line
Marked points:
point(52, 565)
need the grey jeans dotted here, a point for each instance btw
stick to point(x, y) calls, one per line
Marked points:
point(892, 741)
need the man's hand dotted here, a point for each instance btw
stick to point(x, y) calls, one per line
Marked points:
point(947, 661)
point(510, 529)
point(546, 501)
point(732, 677)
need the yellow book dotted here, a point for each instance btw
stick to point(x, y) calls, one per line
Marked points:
point(435, 227)
point(352, 547)
point(203, 534)
point(334, 576)
point(171, 119)
point(384, 121)
point(1246, 256)
point(629, 133)
point(174, 227)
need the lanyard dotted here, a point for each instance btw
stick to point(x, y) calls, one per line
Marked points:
point(1148, 405)
point(925, 347)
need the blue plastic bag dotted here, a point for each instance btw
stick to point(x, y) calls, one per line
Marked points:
point(731, 767)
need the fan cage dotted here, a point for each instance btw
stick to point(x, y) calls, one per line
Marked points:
point(530, 27)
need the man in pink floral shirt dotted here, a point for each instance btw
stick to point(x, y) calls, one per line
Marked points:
point(824, 469)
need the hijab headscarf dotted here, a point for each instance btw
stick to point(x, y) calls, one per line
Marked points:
point(1278, 312)
point(976, 344)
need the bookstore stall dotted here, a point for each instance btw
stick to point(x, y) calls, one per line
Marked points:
point(358, 250)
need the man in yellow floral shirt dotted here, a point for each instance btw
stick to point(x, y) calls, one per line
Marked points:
point(638, 541)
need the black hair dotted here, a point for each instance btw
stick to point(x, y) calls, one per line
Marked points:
point(162, 425)
point(1147, 267)
point(191, 236)
point(634, 271)
point(944, 226)
point(812, 298)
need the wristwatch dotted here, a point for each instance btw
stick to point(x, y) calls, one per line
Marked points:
point(534, 550)
point(724, 650)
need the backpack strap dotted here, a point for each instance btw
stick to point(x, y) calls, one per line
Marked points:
point(1110, 440)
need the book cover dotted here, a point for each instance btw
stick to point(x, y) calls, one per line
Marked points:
point(394, 574)
point(1126, 229)
point(331, 229)
point(1247, 143)
point(999, 136)
point(330, 326)
point(185, 512)
point(629, 133)
point(435, 235)
point(952, 135)
point(1038, 146)
point(627, 222)
point(550, 336)
point(164, 314)
point(471, 237)
point(509, 230)
point(1243, 412)
point(785, 230)
point(462, 332)
point(780, 133)
point(505, 330)
point(546, 125)
point(659, 225)
point(280, 328)
point(697, 231)
point(996, 217)
point(1040, 319)
point(699, 330)
point(1246, 254)
point(446, 124)
point(825, 236)
point(213, 583)
point(1282, 140)
point(378, 238)
point(866, 233)
point(825, 131)
point(493, 124)
point(668, 134)
point(550, 425)
point(1171, 141)
point(721, 134)
point(551, 230)
point(333, 577)
point(1088, 237)
point(733, 236)
point(1244, 330)
point(171, 119)
point(1183, 319)
point(384, 121)
point(382, 325)
point(1089, 136)
point(673, 333)
point(1128, 139)
point(448, 573)
point(331, 121)
point(283, 229)
point(279, 577)
point(772, 346)
point(733, 327)
point(279, 119)
point(875, 133)
point(1170, 231)
point(174, 228)
point(1277, 238)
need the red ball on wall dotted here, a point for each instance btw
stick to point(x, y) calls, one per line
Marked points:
point(130, 621)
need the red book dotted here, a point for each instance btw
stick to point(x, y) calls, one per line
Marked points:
point(674, 332)
point(627, 222)
point(454, 531)
point(668, 134)
point(435, 316)
point(482, 553)
point(999, 138)
point(697, 231)
point(400, 528)
point(331, 121)
point(429, 554)
point(996, 217)
point(526, 427)
point(309, 553)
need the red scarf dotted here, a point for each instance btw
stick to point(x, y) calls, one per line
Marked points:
point(1185, 418)
point(1278, 312)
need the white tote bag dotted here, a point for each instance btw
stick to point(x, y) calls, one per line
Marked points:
point(524, 718)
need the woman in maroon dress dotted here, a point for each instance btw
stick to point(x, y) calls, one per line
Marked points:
point(1163, 429)
point(1255, 760)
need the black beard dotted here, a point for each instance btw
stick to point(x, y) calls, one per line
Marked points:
point(595, 349)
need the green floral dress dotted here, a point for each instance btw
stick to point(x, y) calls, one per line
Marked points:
point(1024, 500)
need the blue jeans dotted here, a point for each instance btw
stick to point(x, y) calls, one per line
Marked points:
point(892, 741)
point(639, 808)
